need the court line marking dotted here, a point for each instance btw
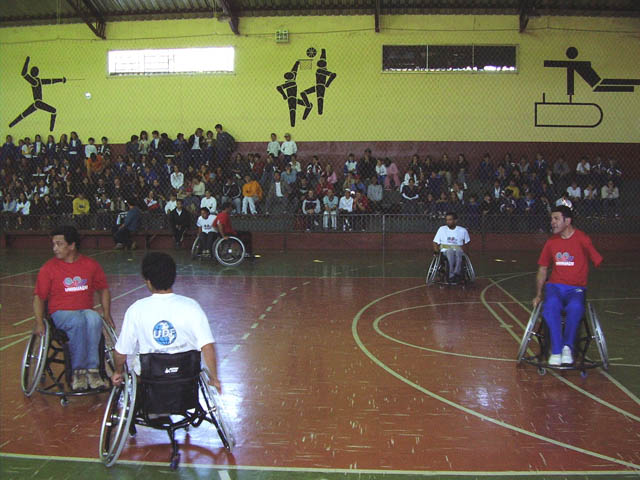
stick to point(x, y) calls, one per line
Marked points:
point(376, 327)
point(37, 269)
point(20, 340)
point(567, 382)
point(16, 286)
point(16, 335)
point(620, 386)
point(224, 475)
point(354, 471)
point(481, 416)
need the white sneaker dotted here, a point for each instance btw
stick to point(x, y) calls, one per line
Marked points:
point(79, 380)
point(555, 360)
point(567, 358)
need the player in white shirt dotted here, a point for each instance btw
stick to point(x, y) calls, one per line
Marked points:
point(164, 322)
point(205, 230)
point(450, 240)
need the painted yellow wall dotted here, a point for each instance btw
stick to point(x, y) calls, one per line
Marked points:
point(362, 104)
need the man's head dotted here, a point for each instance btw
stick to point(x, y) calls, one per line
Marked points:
point(66, 242)
point(207, 194)
point(287, 136)
point(179, 203)
point(218, 128)
point(274, 137)
point(276, 177)
point(561, 219)
point(204, 211)
point(159, 271)
point(452, 220)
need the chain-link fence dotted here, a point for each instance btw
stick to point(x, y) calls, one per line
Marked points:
point(504, 184)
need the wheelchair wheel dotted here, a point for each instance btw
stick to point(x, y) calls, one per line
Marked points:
point(117, 419)
point(598, 335)
point(229, 251)
point(107, 346)
point(214, 408)
point(195, 248)
point(34, 360)
point(469, 272)
point(432, 273)
point(533, 319)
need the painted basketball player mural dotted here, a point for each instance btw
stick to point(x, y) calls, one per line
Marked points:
point(323, 79)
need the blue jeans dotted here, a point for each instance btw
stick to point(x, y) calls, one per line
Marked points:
point(454, 257)
point(84, 328)
point(560, 298)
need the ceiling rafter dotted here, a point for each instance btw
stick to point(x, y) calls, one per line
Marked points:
point(91, 16)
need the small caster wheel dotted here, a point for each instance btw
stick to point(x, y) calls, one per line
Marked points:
point(64, 401)
point(175, 461)
point(583, 374)
point(542, 371)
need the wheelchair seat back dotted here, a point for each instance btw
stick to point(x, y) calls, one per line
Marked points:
point(169, 382)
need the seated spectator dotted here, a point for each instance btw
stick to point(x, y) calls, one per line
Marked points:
point(358, 185)
point(459, 191)
point(472, 211)
point(508, 205)
point(345, 208)
point(561, 170)
point(206, 232)
point(610, 195)
point(251, 193)
point(391, 180)
point(81, 205)
point(289, 175)
point(446, 168)
point(583, 171)
point(540, 164)
point(231, 193)
point(360, 208)
point(442, 205)
point(524, 167)
point(177, 179)
point(410, 175)
point(198, 187)
point(295, 164)
point(488, 205)
point(564, 200)
point(278, 195)
point(574, 192)
point(374, 194)
point(367, 165)
point(349, 182)
point(180, 222)
point(410, 197)
point(151, 203)
point(429, 205)
point(590, 201)
point(454, 202)
point(322, 188)
point(23, 207)
point(314, 170)
point(434, 184)
point(330, 203)
point(171, 204)
point(497, 192)
point(614, 172)
point(209, 202)
point(485, 170)
point(122, 235)
point(381, 171)
point(310, 210)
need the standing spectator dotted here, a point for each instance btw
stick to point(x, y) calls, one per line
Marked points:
point(143, 143)
point(273, 147)
point(392, 180)
point(90, 148)
point(288, 147)
point(196, 145)
point(225, 145)
point(350, 165)
point(278, 195)
point(122, 235)
point(50, 150)
point(410, 197)
point(374, 194)
point(610, 194)
point(8, 152)
point(180, 222)
point(367, 165)
point(251, 193)
point(132, 147)
point(330, 202)
point(209, 202)
point(105, 149)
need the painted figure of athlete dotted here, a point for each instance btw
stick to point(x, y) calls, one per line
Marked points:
point(36, 87)
point(569, 251)
point(323, 79)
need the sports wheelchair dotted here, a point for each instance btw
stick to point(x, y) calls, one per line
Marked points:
point(169, 385)
point(43, 353)
point(439, 270)
point(229, 251)
point(589, 331)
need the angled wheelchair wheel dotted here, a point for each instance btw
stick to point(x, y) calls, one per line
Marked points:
point(214, 409)
point(195, 248)
point(432, 273)
point(34, 360)
point(528, 331)
point(117, 419)
point(469, 272)
point(598, 335)
point(107, 346)
point(229, 251)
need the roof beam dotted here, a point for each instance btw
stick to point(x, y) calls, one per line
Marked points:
point(228, 8)
point(525, 10)
point(91, 16)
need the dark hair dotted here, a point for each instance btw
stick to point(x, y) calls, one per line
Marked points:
point(564, 210)
point(160, 269)
point(453, 214)
point(70, 233)
point(218, 125)
point(205, 209)
point(225, 205)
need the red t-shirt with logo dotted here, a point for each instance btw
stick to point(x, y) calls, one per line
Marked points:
point(70, 286)
point(223, 219)
point(570, 258)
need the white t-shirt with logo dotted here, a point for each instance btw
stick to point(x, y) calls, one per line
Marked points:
point(451, 238)
point(163, 323)
point(206, 224)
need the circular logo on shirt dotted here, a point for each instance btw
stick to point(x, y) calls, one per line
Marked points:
point(164, 333)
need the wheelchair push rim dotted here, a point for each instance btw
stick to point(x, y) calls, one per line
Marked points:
point(229, 251)
point(195, 247)
point(433, 269)
point(117, 419)
point(533, 319)
point(33, 360)
point(214, 408)
point(598, 335)
point(471, 273)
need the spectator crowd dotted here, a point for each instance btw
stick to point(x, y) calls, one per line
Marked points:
point(69, 176)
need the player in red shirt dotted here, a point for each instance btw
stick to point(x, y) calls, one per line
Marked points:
point(222, 223)
point(569, 251)
point(67, 283)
